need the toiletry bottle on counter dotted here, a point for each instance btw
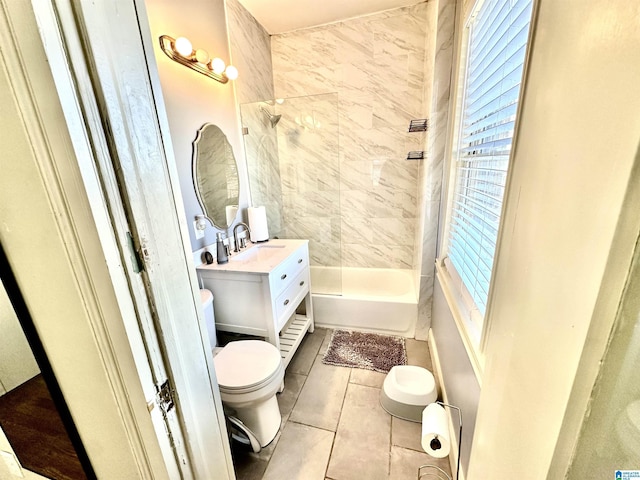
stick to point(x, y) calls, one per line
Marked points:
point(221, 250)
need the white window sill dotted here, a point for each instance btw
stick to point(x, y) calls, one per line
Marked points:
point(469, 332)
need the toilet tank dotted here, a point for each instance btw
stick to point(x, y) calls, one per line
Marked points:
point(207, 305)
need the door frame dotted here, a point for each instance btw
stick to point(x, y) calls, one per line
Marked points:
point(51, 241)
point(79, 294)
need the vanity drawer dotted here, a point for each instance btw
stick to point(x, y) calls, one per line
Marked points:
point(292, 296)
point(285, 273)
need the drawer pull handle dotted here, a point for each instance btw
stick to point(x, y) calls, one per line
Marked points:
point(283, 276)
point(300, 260)
point(286, 302)
point(302, 283)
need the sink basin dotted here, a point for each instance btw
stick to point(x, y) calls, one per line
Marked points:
point(257, 253)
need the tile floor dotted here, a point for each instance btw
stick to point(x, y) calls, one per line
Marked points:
point(333, 426)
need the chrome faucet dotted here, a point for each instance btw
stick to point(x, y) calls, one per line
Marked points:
point(236, 240)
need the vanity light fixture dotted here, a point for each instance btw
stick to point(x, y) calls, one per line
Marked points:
point(181, 50)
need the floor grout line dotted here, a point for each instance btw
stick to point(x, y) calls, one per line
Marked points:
point(390, 445)
point(326, 470)
point(350, 380)
point(312, 426)
point(293, 406)
point(284, 424)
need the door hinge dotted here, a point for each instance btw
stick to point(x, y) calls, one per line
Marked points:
point(136, 261)
point(165, 396)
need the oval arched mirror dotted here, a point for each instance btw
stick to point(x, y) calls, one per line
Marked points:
point(215, 176)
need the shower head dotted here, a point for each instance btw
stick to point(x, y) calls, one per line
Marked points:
point(273, 119)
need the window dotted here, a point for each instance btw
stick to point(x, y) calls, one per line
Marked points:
point(497, 35)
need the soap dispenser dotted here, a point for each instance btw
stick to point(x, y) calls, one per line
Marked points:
point(221, 254)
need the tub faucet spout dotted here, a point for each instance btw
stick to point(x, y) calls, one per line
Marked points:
point(236, 240)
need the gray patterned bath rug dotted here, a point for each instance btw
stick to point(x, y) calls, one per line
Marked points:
point(365, 350)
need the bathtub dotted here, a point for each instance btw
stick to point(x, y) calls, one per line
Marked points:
point(378, 300)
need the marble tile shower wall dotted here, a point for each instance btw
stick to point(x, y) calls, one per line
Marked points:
point(310, 173)
point(376, 65)
point(432, 169)
point(251, 53)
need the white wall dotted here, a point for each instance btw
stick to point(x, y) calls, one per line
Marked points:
point(458, 377)
point(191, 99)
point(577, 141)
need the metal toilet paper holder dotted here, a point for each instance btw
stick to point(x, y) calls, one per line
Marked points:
point(438, 470)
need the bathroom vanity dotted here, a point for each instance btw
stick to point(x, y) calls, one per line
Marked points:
point(264, 291)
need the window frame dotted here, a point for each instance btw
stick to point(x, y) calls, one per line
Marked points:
point(472, 326)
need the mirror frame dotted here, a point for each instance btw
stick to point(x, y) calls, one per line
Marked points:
point(209, 215)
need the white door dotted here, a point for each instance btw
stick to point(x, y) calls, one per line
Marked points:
point(141, 188)
point(65, 272)
point(111, 118)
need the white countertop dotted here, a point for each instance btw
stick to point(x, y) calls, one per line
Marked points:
point(257, 257)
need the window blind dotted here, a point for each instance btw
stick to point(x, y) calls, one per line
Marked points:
point(497, 36)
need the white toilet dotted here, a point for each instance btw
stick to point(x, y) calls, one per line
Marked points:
point(250, 373)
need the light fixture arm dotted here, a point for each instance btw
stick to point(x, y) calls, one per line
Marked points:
point(167, 44)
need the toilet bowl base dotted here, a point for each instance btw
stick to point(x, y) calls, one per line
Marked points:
point(263, 419)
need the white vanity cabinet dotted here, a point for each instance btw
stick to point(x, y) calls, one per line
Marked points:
point(259, 291)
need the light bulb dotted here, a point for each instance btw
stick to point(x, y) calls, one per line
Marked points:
point(202, 56)
point(183, 46)
point(279, 101)
point(231, 72)
point(217, 65)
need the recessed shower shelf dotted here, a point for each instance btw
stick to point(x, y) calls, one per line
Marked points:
point(417, 155)
point(419, 125)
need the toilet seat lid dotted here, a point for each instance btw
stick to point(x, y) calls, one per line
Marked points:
point(246, 363)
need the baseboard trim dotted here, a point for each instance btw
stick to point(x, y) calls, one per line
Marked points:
point(453, 429)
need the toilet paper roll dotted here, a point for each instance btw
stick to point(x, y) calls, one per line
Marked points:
point(435, 431)
point(257, 217)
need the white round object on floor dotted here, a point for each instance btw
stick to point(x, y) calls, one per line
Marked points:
point(407, 390)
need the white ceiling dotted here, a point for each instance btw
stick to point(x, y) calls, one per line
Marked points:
point(279, 16)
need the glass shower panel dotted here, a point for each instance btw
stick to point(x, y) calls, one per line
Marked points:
point(261, 148)
point(294, 170)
